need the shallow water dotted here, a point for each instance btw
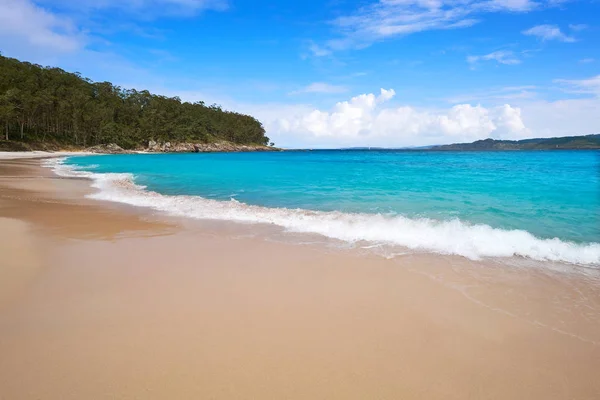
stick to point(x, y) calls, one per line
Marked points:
point(542, 205)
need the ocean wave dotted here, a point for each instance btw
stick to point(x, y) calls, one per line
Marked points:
point(445, 237)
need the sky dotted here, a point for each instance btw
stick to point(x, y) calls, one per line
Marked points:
point(338, 73)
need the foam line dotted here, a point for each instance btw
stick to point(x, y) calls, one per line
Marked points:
point(444, 237)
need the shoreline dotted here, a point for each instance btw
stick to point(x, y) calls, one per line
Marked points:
point(152, 147)
point(270, 231)
point(392, 233)
point(109, 300)
point(13, 155)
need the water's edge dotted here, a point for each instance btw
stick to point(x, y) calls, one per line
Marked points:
point(455, 237)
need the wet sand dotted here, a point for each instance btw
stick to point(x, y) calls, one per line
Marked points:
point(98, 300)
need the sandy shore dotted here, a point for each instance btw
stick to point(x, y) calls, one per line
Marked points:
point(101, 301)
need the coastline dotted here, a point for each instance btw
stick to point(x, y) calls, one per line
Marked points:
point(118, 180)
point(110, 300)
point(12, 155)
point(152, 147)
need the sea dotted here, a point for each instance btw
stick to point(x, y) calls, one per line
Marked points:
point(537, 205)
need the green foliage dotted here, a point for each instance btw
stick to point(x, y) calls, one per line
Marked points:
point(558, 143)
point(6, 145)
point(39, 104)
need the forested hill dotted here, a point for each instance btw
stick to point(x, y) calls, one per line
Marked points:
point(559, 143)
point(48, 105)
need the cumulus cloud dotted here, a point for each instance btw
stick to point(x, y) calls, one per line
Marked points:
point(321, 87)
point(548, 32)
point(501, 57)
point(363, 120)
point(24, 25)
point(372, 119)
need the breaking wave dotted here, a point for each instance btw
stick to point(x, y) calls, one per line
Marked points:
point(445, 237)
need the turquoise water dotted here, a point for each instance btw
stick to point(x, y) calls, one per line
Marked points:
point(547, 194)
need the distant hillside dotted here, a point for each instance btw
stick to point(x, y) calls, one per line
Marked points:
point(560, 143)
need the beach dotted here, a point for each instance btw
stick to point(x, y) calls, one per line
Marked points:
point(104, 300)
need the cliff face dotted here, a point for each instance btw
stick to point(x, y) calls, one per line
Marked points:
point(561, 143)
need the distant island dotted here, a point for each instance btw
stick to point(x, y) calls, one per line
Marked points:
point(586, 142)
point(557, 143)
point(46, 108)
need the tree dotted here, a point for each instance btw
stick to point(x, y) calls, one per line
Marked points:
point(6, 113)
point(48, 104)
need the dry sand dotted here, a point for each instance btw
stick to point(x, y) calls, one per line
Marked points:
point(101, 301)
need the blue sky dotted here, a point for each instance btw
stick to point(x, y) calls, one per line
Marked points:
point(337, 72)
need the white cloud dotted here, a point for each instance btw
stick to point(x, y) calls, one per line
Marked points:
point(364, 121)
point(497, 95)
point(548, 32)
point(512, 5)
point(25, 27)
point(388, 18)
point(501, 57)
point(583, 86)
point(321, 87)
point(145, 7)
point(568, 117)
point(586, 60)
point(193, 6)
point(578, 27)
point(318, 51)
point(47, 30)
point(370, 120)
point(59, 32)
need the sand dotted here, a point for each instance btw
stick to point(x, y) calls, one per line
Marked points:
point(102, 301)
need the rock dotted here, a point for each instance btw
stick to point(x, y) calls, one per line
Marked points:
point(222, 146)
point(110, 148)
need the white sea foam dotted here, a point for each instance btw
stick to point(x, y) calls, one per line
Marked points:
point(444, 237)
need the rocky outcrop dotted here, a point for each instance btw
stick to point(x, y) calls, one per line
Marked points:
point(168, 147)
point(107, 149)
